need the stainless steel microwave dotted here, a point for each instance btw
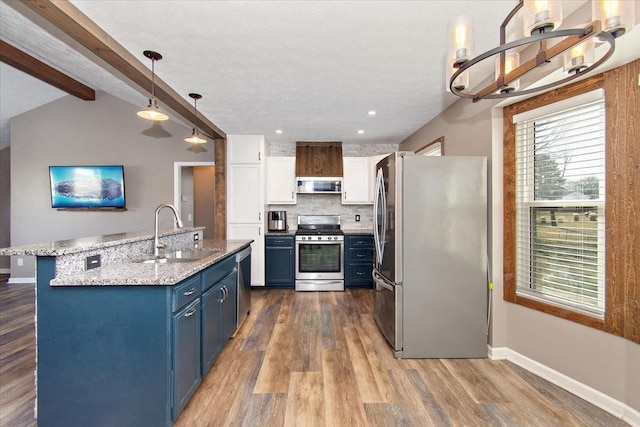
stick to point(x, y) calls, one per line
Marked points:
point(320, 185)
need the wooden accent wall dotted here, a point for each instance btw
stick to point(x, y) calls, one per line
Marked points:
point(220, 224)
point(622, 103)
point(319, 158)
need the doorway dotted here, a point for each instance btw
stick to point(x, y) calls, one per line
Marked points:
point(194, 195)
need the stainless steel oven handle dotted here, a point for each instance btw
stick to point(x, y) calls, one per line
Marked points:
point(382, 281)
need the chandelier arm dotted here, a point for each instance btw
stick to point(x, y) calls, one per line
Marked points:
point(607, 37)
point(575, 35)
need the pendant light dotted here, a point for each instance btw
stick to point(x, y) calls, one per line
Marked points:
point(153, 112)
point(195, 137)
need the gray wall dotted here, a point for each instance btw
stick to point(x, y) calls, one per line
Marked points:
point(204, 204)
point(604, 362)
point(5, 205)
point(186, 196)
point(69, 131)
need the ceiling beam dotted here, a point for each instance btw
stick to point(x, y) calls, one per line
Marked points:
point(66, 18)
point(24, 62)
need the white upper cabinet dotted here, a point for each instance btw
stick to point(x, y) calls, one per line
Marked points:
point(245, 149)
point(281, 181)
point(355, 184)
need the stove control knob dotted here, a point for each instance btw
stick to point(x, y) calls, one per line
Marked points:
point(335, 237)
point(319, 237)
point(304, 238)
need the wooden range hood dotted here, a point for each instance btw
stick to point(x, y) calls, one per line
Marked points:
point(318, 159)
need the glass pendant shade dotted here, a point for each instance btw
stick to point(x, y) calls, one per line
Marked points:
point(153, 112)
point(541, 16)
point(460, 41)
point(579, 57)
point(195, 138)
point(461, 82)
point(511, 62)
point(617, 16)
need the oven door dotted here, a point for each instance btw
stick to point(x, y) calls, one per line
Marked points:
point(319, 260)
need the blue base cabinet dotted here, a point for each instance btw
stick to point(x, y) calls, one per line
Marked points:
point(280, 261)
point(123, 355)
point(358, 263)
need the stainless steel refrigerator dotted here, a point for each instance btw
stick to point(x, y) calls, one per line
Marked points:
point(430, 272)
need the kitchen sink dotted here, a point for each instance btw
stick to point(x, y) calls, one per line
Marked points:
point(182, 255)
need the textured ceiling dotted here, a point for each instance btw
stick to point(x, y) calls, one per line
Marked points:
point(310, 68)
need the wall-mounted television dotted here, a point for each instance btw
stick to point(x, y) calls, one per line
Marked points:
point(87, 187)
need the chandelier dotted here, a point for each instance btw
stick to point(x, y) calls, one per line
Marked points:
point(611, 19)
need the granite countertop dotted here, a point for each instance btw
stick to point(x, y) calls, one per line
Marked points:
point(84, 244)
point(358, 231)
point(138, 273)
point(281, 233)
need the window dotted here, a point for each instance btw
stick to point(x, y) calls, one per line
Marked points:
point(560, 203)
point(619, 210)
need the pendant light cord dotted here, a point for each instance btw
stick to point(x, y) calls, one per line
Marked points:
point(153, 78)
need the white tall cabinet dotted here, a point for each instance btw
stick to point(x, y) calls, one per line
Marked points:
point(246, 157)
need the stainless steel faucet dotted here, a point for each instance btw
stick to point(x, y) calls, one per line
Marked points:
point(156, 243)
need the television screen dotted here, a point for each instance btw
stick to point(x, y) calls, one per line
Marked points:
point(87, 186)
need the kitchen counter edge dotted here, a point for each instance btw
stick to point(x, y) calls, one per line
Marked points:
point(140, 274)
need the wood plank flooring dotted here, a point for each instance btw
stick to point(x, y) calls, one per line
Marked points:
point(318, 359)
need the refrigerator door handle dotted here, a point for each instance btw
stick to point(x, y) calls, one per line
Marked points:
point(382, 281)
point(380, 200)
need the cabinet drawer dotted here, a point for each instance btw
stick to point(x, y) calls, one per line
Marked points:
point(360, 273)
point(361, 255)
point(213, 274)
point(279, 241)
point(360, 240)
point(185, 292)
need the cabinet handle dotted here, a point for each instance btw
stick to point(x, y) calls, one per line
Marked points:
point(345, 195)
point(279, 241)
point(259, 231)
point(360, 255)
point(190, 312)
point(190, 292)
point(259, 216)
point(360, 273)
point(292, 195)
point(259, 156)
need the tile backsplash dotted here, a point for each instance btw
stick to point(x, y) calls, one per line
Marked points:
point(330, 204)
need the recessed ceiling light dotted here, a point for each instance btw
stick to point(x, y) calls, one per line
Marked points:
point(372, 113)
point(360, 132)
point(278, 131)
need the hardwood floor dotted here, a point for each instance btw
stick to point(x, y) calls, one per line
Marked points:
point(17, 355)
point(318, 359)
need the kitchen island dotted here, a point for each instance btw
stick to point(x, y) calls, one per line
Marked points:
point(127, 343)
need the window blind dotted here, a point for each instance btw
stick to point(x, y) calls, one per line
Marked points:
point(560, 194)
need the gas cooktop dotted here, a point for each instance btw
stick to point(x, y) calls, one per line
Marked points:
point(319, 225)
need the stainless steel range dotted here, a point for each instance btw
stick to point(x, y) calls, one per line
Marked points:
point(319, 253)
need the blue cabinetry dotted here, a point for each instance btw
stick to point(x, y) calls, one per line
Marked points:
point(127, 355)
point(279, 261)
point(358, 263)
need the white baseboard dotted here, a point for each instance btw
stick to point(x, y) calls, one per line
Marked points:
point(5, 270)
point(13, 280)
point(591, 395)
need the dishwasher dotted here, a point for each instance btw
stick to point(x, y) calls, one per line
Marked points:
point(243, 263)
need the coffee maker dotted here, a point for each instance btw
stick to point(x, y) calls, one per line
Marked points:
point(277, 220)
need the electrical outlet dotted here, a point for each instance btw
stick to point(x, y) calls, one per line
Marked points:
point(196, 237)
point(357, 218)
point(20, 262)
point(92, 261)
